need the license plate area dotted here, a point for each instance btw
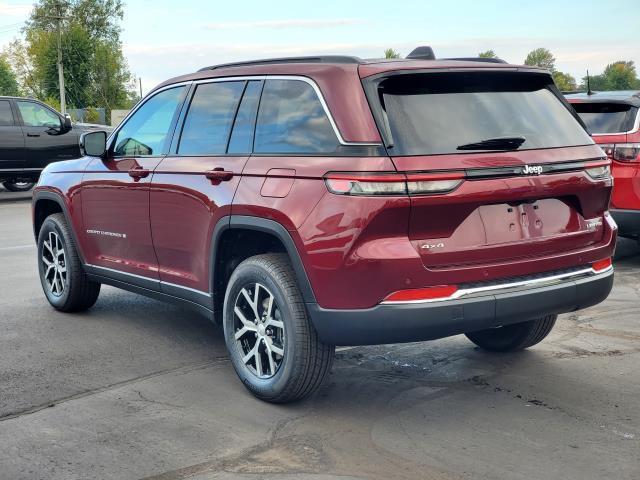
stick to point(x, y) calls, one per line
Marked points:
point(511, 222)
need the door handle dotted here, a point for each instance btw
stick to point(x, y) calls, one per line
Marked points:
point(219, 174)
point(33, 134)
point(138, 173)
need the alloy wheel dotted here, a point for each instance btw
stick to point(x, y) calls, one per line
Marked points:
point(259, 330)
point(54, 264)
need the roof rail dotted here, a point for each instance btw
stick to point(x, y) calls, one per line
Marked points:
point(270, 61)
point(478, 59)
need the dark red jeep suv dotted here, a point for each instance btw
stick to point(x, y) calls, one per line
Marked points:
point(311, 202)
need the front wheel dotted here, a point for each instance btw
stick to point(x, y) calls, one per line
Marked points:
point(511, 338)
point(63, 279)
point(18, 186)
point(272, 344)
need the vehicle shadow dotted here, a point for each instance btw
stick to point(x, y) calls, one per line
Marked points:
point(627, 249)
point(6, 196)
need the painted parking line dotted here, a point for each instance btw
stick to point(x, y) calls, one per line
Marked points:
point(18, 247)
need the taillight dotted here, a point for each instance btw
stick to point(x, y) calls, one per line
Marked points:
point(425, 183)
point(366, 184)
point(392, 183)
point(438, 292)
point(623, 152)
point(598, 170)
point(601, 265)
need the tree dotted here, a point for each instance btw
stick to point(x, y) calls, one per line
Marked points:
point(95, 71)
point(100, 18)
point(564, 81)
point(541, 57)
point(596, 82)
point(488, 54)
point(620, 75)
point(113, 86)
point(8, 81)
point(391, 53)
point(77, 59)
point(18, 58)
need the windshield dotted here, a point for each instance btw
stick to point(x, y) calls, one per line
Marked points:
point(607, 117)
point(438, 113)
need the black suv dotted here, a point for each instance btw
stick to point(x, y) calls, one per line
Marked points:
point(32, 135)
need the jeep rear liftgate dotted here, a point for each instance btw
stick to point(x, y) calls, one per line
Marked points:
point(502, 155)
point(496, 218)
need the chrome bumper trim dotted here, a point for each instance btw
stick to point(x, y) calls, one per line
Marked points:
point(509, 286)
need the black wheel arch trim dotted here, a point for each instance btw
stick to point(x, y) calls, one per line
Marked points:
point(267, 226)
point(57, 198)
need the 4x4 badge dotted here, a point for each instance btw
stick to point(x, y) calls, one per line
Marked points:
point(431, 246)
point(532, 169)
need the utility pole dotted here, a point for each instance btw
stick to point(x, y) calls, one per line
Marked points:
point(63, 103)
point(140, 82)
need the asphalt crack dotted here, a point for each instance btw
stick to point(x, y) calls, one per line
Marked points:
point(112, 386)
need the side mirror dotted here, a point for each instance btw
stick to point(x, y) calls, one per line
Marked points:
point(66, 123)
point(93, 144)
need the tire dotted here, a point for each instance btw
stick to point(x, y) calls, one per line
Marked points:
point(16, 186)
point(305, 360)
point(517, 336)
point(73, 291)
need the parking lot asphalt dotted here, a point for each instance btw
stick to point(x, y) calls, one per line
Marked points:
point(136, 388)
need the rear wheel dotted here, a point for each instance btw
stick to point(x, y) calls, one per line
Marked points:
point(273, 346)
point(18, 186)
point(63, 279)
point(517, 336)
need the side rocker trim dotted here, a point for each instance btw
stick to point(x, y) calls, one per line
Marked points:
point(150, 292)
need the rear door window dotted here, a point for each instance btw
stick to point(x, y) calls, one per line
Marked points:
point(210, 117)
point(242, 136)
point(6, 117)
point(602, 117)
point(292, 120)
point(436, 113)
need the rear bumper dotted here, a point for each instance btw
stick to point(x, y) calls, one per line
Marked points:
point(628, 222)
point(410, 322)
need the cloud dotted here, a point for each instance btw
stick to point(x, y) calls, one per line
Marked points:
point(293, 23)
point(14, 10)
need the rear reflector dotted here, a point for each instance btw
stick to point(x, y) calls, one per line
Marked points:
point(420, 294)
point(601, 265)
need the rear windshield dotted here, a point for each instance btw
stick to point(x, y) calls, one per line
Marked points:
point(437, 113)
point(607, 117)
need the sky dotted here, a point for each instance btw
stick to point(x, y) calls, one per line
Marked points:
point(163, 38)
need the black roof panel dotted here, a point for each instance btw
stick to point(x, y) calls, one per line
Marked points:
point(270, 61)
point(618, 96)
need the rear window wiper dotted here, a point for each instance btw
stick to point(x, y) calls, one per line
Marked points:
point(500, 143)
